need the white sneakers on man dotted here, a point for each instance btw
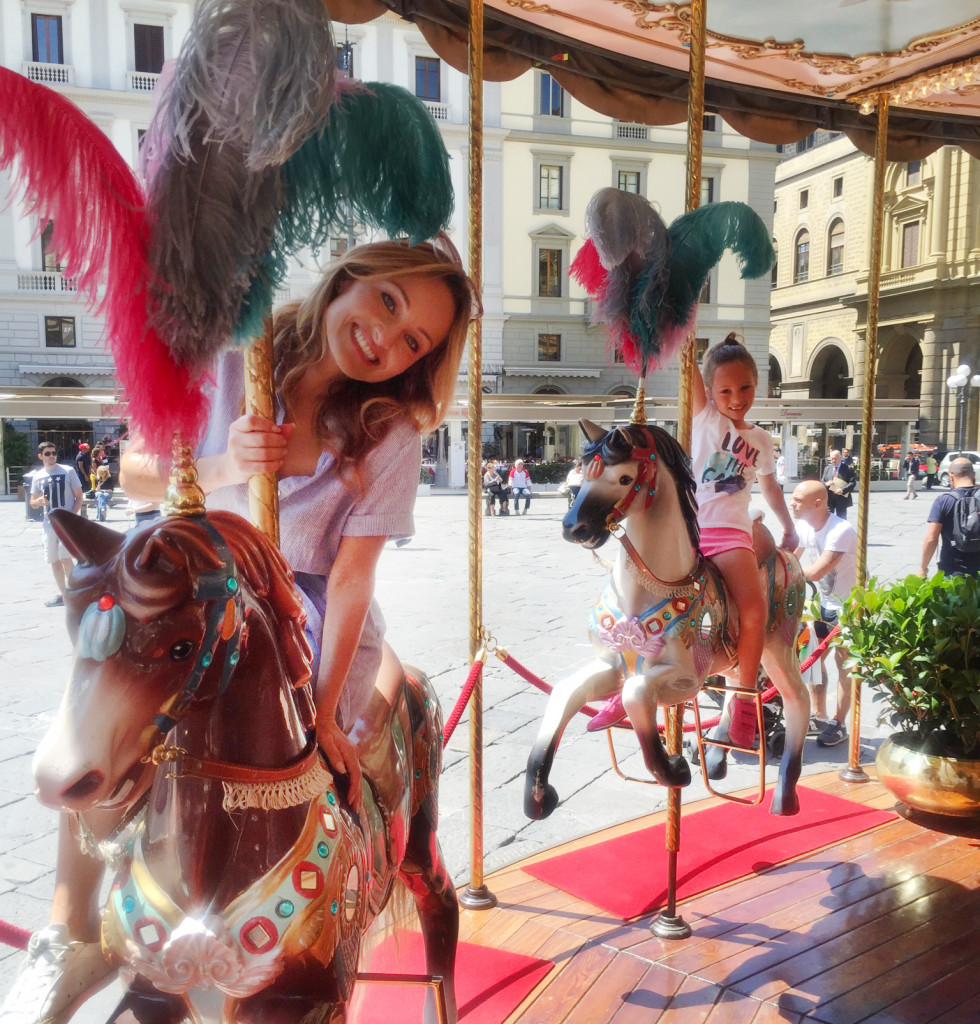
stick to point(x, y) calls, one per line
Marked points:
point(57, 975)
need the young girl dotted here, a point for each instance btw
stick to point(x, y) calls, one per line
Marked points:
point(363, 366)
point(728, 454)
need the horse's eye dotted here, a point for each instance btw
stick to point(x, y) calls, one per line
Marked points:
point(181, 650)
point(625, 480)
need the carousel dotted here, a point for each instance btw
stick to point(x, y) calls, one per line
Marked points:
point(251, 856)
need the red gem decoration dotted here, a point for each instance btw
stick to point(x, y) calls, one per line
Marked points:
point(106, 601)
point(681, 604)
point(307, 879)
point(258, 935)
point(150, 934)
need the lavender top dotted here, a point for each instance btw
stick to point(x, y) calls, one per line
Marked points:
point(316, 512)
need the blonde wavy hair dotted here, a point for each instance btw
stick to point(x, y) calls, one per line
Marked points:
point(354, 416)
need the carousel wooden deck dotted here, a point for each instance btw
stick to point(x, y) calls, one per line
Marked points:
point(882, 928)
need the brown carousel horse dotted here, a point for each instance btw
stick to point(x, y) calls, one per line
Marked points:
point(664, 621)
point(244, 893)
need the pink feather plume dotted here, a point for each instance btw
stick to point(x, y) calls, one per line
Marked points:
point(70, 173)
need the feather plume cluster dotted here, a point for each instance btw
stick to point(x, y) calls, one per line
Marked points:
point(646, 277)
point(72, 175)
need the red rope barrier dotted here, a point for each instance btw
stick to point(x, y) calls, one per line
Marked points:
point(11, 935)
point(457, 713)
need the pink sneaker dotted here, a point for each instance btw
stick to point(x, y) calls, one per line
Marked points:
point(611, 713)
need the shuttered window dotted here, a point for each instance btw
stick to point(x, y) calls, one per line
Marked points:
point(910, 244)
point(148, 48)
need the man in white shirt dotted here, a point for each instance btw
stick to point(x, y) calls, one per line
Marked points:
point(55, 486)
point(828, 554)
point(520, 482)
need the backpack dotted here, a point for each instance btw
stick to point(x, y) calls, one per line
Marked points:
point(965, 523)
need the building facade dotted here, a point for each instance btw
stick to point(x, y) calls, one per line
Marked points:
point(928, 318)
point(545, 155)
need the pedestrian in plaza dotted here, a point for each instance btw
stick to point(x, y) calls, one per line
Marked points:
point(932, 470)
point(573, 481)
point(841, 481)
point(828, 556)
point(780, 466)
point(99, 458)
point(364, 366)
point(103, 492)
point(910, 470)
point(519, 482)
point(83, 464)
point(846, 457)
point(493, 486)
point(953, 561)
point(55, 486)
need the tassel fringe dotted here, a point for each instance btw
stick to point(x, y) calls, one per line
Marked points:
point(277, 796)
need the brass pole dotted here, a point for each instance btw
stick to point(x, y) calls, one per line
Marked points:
point(668, 924)
point(263, 489)
point(476, 895)
point(854, 772)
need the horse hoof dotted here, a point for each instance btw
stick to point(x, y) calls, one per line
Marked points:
point(785, 804)
point(679, 772)
point(715, 763)
point(539, 800)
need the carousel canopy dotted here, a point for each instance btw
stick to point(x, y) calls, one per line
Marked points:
point(775, 71)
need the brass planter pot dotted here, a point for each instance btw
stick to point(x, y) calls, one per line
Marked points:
point(926, 782)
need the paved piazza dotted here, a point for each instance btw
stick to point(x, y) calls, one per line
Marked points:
point(537, 595)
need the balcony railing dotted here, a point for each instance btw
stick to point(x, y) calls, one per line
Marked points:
point(44, 281)
point(628, 130)
point(49, 74)
point(141, 81)
point(439, 111)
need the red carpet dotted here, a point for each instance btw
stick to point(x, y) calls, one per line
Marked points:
point(628, 876)
point(490, 983)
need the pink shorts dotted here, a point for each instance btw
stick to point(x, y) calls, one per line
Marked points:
point(715, 539)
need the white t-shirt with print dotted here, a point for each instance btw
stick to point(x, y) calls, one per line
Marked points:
point(726, 462)
point(835, 535)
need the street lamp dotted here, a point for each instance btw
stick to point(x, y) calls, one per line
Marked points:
point(957, 382)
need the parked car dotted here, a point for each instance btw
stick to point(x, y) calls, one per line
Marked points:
point(974, 457)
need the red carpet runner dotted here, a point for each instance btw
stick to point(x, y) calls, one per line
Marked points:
point(628, 876)
point(490, 983)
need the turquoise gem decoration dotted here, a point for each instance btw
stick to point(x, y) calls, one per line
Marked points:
point(206, 660)
point(285, 908)
point(232, 584)
point(234, 658)
point(333, 906)
point(129, 904)
point(322, 849)
point(331, 799)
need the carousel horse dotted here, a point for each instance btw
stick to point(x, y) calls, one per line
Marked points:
point(245, 877)
point(664, 621)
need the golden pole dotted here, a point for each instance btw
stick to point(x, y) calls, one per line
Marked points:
point(668, 924)
point(854, 772)
point(263, 489)
point(476, 896)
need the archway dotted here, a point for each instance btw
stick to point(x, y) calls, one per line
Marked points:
point(830, 374)
point(775, 378)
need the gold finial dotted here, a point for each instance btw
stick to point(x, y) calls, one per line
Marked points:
point(184, 497)
point(639, 414)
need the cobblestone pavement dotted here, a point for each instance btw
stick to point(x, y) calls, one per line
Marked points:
point(537, 595)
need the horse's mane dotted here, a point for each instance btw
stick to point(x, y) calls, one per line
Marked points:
point(617, 444)
point(160, 569)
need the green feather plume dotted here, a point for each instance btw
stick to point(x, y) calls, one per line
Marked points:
point(379, 160)
point(698, 240)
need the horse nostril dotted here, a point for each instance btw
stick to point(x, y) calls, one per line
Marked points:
point(86, 785)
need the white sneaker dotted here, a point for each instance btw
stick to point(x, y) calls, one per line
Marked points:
point(57, 975)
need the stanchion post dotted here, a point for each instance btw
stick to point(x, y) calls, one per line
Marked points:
point(668, 924)
point(476, 896)
point(854, 772)
point(263, 489)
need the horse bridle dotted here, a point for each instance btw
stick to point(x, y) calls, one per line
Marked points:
point(646, 476)
point(221, 590)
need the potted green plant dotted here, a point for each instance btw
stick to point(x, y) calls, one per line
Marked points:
point(916, 643)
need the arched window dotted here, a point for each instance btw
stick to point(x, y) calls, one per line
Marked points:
point(775, 264)
point(835, 248)
point(775, 378)
point(801, 266)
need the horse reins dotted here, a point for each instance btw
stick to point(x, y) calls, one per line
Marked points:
point(646, 476)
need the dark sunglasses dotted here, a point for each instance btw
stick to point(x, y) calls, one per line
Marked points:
point(49, 453)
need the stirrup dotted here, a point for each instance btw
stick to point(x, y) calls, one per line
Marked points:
point(749, 694)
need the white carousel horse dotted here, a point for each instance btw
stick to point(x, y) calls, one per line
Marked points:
point(664, 621)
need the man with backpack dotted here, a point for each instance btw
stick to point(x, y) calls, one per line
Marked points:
point(955, 517)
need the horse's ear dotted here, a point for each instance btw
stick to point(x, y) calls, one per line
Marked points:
point(86, 540)
point(592, 430)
